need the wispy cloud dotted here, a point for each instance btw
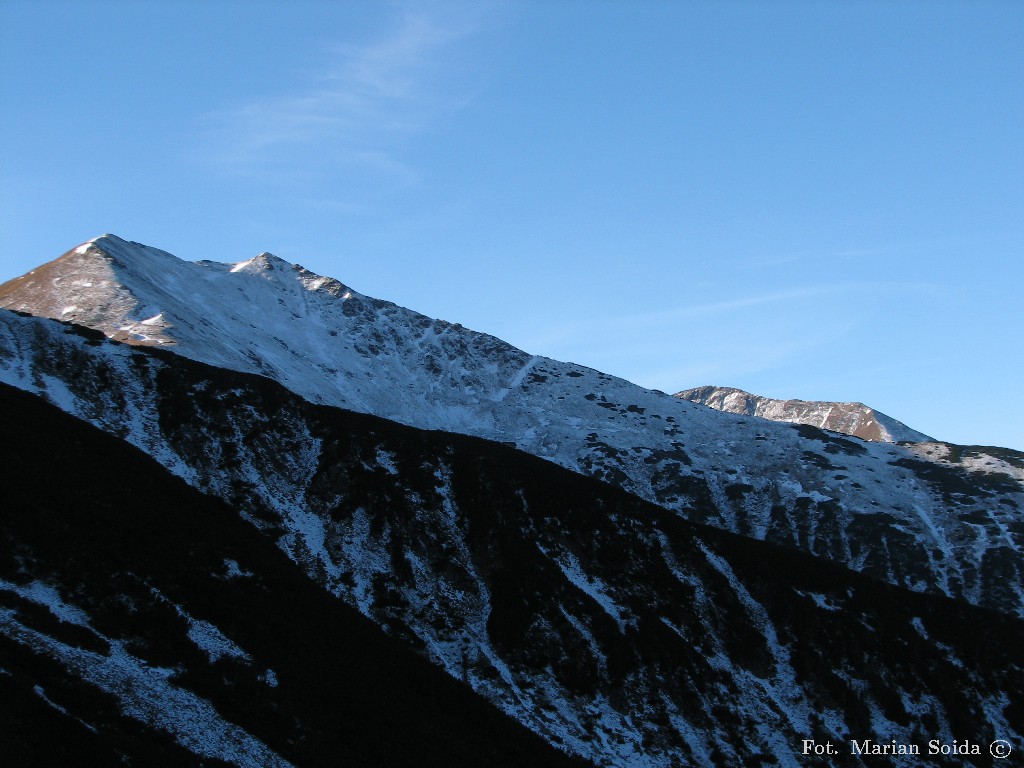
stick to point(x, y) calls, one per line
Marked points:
point(741, 309)
point(838, 291)
point(356, 111)
point(723, 340)
point(819, 256)
point(711, 362)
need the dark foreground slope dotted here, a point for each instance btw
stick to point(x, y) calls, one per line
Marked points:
point(143, 623)
point(606, 624)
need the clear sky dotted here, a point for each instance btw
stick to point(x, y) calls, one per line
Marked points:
point(822, 200)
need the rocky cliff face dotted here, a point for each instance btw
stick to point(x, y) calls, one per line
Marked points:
point(854, 419)
point(607, 625)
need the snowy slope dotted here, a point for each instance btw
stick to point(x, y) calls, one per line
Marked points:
point(145, 624)
point(879, 508)
point(854, 419)
point(607, 625)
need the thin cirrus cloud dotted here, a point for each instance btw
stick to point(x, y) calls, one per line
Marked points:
point(709, 362)
point(769, 261)
point(353, 113)
point(707, 309)
point(719, 341)
point(624, 329)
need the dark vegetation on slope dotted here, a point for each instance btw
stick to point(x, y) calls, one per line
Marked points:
point(803, 497)
point(851, 642)
point(103, 523)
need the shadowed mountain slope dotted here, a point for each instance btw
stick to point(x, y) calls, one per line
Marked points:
point(608, 625)
point(142, 622)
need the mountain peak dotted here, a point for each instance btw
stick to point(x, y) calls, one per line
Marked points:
point(854, 419)
point(136, 294)
point(100, 284)
point(109, 245)
point(265, 262)
point(108, 238)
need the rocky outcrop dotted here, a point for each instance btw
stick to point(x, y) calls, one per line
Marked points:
point(854, 419)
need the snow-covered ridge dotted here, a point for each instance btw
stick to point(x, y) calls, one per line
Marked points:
point(880, 508)
point(854, 419)
point(608, 626)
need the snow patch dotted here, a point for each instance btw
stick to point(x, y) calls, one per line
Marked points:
point(386, 461)
point(593, 587)
point(145, 694)
point(212, 641)
point(47, 596)
point(232, 570)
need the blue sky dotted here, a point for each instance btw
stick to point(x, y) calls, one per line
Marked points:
point(822, 200)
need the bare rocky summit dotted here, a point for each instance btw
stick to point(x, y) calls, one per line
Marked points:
point(854, 419)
